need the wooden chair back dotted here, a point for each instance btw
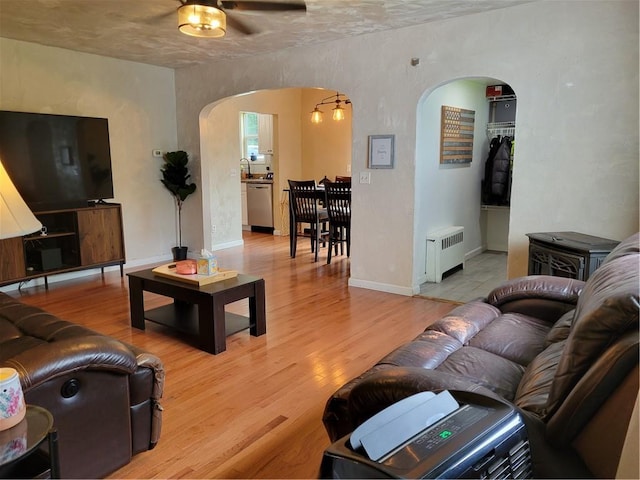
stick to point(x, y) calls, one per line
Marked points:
point(304, 198)
point(339, 203)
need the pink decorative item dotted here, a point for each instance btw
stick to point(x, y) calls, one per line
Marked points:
point(186, 267)
point(12, 406)
point(13, 442)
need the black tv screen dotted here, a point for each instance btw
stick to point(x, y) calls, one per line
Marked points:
point(56, 161)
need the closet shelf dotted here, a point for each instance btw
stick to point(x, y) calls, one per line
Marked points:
point(504, 129)
point(501, 98)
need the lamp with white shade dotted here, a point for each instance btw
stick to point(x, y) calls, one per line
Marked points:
point(16, 219)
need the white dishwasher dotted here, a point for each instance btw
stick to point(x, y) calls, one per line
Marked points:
point(260, 204)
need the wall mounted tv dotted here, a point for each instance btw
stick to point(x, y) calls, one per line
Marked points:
point(56, 161)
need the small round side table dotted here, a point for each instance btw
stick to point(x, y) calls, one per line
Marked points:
point(20, 455)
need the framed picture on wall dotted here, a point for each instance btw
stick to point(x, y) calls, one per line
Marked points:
point(381, 151)
point(456, 135)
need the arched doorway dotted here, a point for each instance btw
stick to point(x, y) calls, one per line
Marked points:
point(454, 196)
point(302, 150)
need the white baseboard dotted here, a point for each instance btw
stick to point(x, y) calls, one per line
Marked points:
point(473, 253)
point(383, 287)
point(222, 246)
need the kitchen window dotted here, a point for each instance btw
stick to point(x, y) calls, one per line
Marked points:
point(249, 136)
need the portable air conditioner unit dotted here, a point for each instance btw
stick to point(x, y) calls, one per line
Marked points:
point(445, 250)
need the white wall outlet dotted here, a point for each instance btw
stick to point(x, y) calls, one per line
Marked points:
point(157, 153)
point(365, 177)
point(348, 168)
point(213, 229)
point(233, 172)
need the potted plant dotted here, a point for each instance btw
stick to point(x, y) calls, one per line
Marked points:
point(175, 176)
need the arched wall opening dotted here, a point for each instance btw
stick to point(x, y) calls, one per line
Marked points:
point(302, 150)
point(451, 194)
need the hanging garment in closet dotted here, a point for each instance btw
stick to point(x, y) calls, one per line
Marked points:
point(497, 173)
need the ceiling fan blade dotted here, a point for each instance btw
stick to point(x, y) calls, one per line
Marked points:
point(262, 6)
point(240, 26)
point(159, 17)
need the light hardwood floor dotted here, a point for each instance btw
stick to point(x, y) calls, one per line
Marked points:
point(255, 410)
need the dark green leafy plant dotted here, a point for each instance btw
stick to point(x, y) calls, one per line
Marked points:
point(175, 175)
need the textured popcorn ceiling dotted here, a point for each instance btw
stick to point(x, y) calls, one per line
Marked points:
point(146, 30)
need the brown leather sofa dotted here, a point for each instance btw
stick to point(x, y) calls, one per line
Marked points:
point(103, 394)
point(563, 351)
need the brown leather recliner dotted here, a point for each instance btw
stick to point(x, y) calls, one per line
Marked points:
point(563, 351)
point(103, 394)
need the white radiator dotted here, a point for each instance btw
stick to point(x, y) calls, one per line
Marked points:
point(445, 250)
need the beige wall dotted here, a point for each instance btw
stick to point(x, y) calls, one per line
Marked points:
point(326, 147)
point(556, 55)
point(577, 122)
point(139, 102)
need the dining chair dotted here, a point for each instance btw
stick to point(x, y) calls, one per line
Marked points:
point(342, 179)
point(304, 207)
point(339, 212)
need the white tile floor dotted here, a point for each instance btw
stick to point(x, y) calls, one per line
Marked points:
point(481, 274)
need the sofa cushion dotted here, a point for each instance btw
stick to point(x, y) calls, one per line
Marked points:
point(533, 392)
point(513, 336)
point(465, 321)
point(607, 308)
point(486, 369)
point(428, 350)
point(561, 329)
point(629, 246)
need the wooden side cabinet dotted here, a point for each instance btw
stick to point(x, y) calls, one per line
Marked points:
point(76, 239)
point(100, 235)
point(11, 258)
point(567, 254)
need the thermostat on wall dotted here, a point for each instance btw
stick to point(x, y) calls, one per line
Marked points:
point(157, 153)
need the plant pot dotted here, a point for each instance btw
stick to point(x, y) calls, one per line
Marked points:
point(179, 253)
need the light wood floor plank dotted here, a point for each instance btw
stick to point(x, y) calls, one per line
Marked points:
point(255, 410)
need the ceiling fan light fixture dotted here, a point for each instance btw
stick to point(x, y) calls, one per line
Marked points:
point(198, 20)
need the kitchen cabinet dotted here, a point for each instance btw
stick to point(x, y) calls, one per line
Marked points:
point(243, 197)
point(265, 134)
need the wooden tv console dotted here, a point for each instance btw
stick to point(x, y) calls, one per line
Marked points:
point(76, 239)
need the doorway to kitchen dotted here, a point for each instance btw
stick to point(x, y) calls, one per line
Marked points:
point(300, 150)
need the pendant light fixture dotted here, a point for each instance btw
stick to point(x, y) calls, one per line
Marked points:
point(338, 111)
point(316, 116)
point(200, 19)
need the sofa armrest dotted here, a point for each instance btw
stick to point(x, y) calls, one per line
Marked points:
point(542, 296)
point(140, 394)
point(92, 352)
point(378, 389)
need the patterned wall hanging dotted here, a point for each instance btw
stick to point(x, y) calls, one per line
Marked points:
point(456, 135)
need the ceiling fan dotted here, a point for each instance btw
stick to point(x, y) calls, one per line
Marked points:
point(209, 18)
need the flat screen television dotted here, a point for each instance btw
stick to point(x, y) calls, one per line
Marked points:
point(56, 161)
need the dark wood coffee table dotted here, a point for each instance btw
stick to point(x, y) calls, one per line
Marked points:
point(199, 310)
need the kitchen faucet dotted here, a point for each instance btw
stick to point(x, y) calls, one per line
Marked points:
point(248, 166)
